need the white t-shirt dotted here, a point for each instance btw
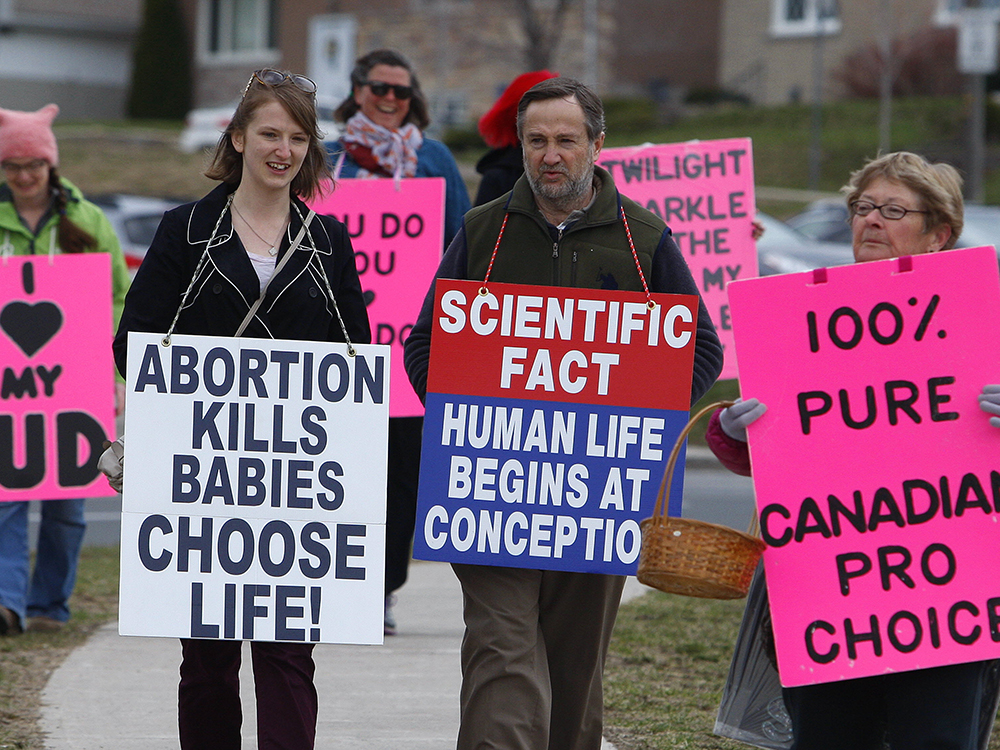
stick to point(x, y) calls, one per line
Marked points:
point(264, 266)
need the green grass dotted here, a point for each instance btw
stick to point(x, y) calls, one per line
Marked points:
point(139, 156)
point(935, 127)
point(665, 673)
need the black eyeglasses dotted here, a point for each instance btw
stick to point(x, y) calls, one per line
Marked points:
point(380, 88)
point(35, 165)
point(271, 77)
point(888, 210)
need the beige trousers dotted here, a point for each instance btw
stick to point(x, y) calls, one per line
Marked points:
point(533, 657)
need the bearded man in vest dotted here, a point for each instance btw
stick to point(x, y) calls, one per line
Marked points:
point(536, 640)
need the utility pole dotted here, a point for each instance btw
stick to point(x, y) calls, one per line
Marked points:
point(886, 19)
point(590, 43)
point(977, 57)
point(816, 116)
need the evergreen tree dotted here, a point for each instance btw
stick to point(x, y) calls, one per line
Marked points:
point(161, 64)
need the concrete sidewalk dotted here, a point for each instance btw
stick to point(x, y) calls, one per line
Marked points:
point(119, 693)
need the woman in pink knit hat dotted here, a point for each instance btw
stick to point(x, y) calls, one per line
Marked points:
point(43, 214)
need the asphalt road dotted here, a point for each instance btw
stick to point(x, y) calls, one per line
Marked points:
point(717, 495)
point(103, 521)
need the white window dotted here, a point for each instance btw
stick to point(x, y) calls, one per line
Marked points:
point(804, 17)
point(238, 30)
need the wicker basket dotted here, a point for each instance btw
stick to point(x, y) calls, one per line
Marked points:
point(695, 558)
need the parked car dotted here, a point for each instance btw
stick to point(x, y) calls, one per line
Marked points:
point(824, 220)
point(782, 249)
point(134, 219)
point(204, 126)
point(827, 220)
point(982, 226)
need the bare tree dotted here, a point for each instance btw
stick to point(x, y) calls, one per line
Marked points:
point(543, 28)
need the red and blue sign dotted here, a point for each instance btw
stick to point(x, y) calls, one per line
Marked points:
point(550, 414)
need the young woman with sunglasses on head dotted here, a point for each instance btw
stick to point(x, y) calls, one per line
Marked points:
point(43, 214)
point(208, 265)
point(385, 115)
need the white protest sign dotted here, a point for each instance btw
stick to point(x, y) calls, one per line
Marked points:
point(254, 499)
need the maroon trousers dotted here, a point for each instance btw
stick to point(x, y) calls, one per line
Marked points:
point(209, 710)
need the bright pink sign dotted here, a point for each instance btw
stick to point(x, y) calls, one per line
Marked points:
point(397, 229)
point(57, 388)
point(877, 475)
point(704, 191)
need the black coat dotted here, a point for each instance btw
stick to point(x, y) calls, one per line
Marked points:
point(500, 169)
point(296, 303)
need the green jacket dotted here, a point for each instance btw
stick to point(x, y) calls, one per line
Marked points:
point(17, 239)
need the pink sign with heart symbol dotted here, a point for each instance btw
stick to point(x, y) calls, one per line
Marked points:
point(56, 376)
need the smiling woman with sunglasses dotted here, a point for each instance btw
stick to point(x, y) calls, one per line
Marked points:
point(385, 115)
point(251, 259)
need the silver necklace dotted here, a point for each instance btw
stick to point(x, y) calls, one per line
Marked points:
point(272, 246)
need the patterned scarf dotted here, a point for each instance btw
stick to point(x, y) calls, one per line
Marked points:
point(381, 151)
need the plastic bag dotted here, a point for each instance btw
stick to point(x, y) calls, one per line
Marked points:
point(752, 709)
point(991, 699)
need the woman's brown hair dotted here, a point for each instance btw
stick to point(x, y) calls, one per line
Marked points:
point(71, 238)
point(227, 162)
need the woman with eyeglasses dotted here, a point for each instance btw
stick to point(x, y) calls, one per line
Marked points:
point(42, 213)
point(900, 204)
point(251, 239)
point(385, 115)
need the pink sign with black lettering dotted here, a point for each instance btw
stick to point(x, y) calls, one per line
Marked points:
point(397, 230)
point(877, 475)
point(704, 191)
point(57, 392)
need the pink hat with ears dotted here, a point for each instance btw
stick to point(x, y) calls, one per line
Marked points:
point(28, 135)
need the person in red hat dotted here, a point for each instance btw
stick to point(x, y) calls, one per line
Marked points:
point(503, 163)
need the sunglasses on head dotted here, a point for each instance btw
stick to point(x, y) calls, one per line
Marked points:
point(380, 88)
point(271, 77)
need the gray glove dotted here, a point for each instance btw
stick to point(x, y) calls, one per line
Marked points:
point(989, 401)
point(112, 463)
point(735, 419)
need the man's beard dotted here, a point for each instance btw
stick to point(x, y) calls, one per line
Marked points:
point(564, 193)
